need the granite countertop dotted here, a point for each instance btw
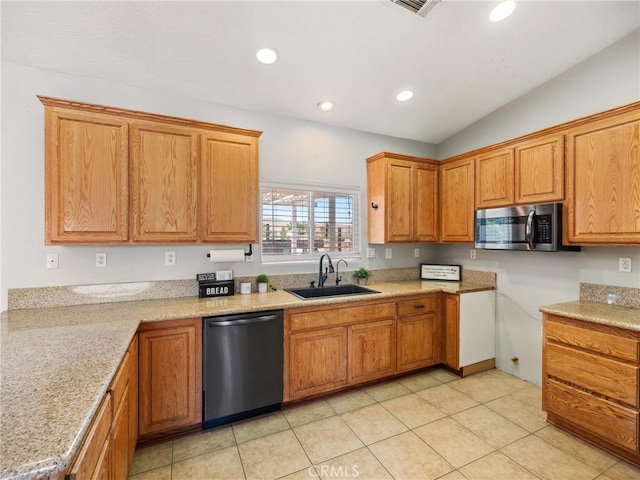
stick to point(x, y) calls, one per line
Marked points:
point(602, 313)
point(57, 363)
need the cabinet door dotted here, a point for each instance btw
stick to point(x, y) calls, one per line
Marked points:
point(133, 397)
point(494, 179)
point(372, 350)
point(451, 305)
point(539, 170)
point(603, 181)
point(119, 444)
point(170, 388)
point(399, 201)
point(86, 165)
point(228, 188)
point(417, 337)
point(457, 201)
point(426, 203)
point(163, 183)
point(104, 470)
point(318, 361)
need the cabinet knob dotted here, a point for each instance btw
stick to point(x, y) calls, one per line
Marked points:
point(418, 307)
point(374, 206)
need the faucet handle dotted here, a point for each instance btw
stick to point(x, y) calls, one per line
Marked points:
point(312, 284)
point(338, 280)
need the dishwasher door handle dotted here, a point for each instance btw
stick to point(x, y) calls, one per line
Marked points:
point(242, 321)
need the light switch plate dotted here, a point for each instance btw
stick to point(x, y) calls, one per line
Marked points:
point(388, 253)
point(371, 253)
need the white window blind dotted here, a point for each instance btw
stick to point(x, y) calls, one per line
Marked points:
point(299, 225)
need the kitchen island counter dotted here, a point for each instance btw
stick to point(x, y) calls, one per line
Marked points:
point(602, 313)
point(58, 362)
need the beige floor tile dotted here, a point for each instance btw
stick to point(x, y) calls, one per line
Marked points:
point(273, 456)
point(222, 464)
point(623, 471)
point(419, 381)
point(455, 475)
point(486, 386)
point(304, 474)
point(161, 473)
point(343, 402)
point(155, 456)
point(531, 395)
point(405, 456)
point(446, 399)
point(546, 461)
point(458, 445)
point(412, 410)
point(496, 466)
point(521, 413)
point(257, 427)
point(579, 449)
point(202, 442)
point(444, 376)
point(387, 390)
point(373, 423)
point(327, 438)
point(603, 477)
point(493, 428)
point(359, 464)
point(307, 412)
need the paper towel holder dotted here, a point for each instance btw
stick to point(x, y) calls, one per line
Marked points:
point(246, 254)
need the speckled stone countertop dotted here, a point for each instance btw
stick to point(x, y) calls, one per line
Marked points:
point(612, 315)
point(57, 363)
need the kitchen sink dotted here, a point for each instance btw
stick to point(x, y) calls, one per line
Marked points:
point(334, 291)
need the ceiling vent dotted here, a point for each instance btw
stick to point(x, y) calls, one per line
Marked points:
point(420, 7)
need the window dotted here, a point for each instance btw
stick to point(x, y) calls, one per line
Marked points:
point(300, 225)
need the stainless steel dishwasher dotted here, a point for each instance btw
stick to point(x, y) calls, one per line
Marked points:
point(242, 366)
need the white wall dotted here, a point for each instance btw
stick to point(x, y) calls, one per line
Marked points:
point(290, 150)
point(528, 280)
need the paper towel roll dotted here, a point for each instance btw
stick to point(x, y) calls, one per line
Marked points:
point(220, 256)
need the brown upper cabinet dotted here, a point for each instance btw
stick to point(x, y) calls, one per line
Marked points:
point(603, 179)
point(116, 176)
point(494, 179)
point(539, 170)
point(457, 189)
point(402, 198)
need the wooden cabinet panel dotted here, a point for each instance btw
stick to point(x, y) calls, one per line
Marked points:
point(426, 203)
point(86, 174)
point(417, 337)
point(603, 181)
point(372, 350)
point(133, 397)
point(611, 378)
point(595, 338)
point(164, 173)
point(170, 368)
point(451, 307)
point(229, 188)
point(104, 469)
point(402, 193)
point(539, 170)
point(323, 317)
point(612, 422)
point(119, 442)
point(457, 187)
point(416, 306)
point(494, 179)
point(318, 361)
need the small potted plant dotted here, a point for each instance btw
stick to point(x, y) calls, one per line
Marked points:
point(263, 282)
point(363, 275)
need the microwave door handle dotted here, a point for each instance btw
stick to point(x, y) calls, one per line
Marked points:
point(528, 229)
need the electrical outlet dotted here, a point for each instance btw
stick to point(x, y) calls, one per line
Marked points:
point(170, 258)
point(101, 259)
point(416, 252)
point(52, 260)
point(371, 253)
point(472, 254)
point(248, 258)
point(388, 254)
point(624, 264)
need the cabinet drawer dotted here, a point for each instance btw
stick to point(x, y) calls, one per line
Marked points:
point(596, 338)
point(609, 421)
point(334, 316)
point(606, 377)
point(418, 306)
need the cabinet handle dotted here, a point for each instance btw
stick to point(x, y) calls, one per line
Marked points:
point(418, 307)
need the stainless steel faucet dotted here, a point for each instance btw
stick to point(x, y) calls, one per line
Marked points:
point(338, 277)
point(323, 277)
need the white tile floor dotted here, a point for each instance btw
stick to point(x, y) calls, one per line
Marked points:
point(432, 425)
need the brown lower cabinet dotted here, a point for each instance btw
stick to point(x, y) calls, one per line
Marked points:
point(591, 384)
point(170, 377)
point(107, 450)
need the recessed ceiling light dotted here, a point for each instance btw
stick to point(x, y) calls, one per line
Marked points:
point(267, 55)
point(502, 11)
point(325, 105)
point(404, 96)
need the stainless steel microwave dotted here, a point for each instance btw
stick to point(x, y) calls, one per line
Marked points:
point(523, 227)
